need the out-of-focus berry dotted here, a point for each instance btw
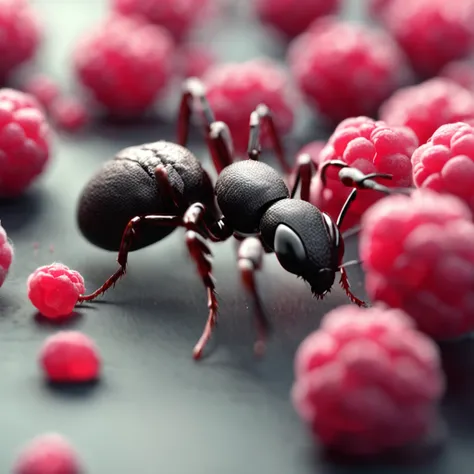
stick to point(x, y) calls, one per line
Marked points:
point(460, 72)
point(69, 113)
point(6, 255)
point(43, 88)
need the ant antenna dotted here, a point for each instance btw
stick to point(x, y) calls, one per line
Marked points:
point(351, 263)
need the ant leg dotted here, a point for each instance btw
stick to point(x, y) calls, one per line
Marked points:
point(250, 257)
point(347, 288)
point(303, 175)
point(218, 138)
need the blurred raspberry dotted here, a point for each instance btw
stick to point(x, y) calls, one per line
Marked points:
point(378, 8)
point(346, 69)
point(125, 63)
point(313, 149)
point(367, 381)
point(43, 88)
point(195, 60)
point(20, 34)
point(427, 106)
point(292, 17)
point(460, 72)
point(418, 254)
point(24, 142)
point(234, 91)
point(69, 113)
point(371, 146)
point(6, 255)
point(431, 32)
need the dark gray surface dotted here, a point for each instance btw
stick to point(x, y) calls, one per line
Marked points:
point(157, 411)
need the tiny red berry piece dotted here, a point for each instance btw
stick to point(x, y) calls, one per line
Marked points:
point(367, 381)
point(6, 255)
point(69, 113)
point(346, 69)
point(54, 290)
point(195, 60)
point(44, 89)
point(427, 106)
point(125, 64)
point(70, 356)
point(371, 146)
point(418, 254)
point(460, 72)
point(48, 454)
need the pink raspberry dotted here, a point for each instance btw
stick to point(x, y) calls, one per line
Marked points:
point(69, 113)
point(70, 356)
point(460, 72)
point(234, 91)
point(378, 8)
point(418, 253)
point(431, 32)
point(345, 69)
point(20, 34)
point(24, 141)
point(292, 17)
point(195, 60)
point(54, 290)
point(125, 63)
point(48, 454)
point(43, 88)
point(6, 255)
point(367, 381)
point(371, 146)
point(427, 106)
point(313, 149)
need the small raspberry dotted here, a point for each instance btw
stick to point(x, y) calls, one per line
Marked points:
point(69, 113)
point(460, 72)
point(346, 69)
point(48, 454)
point(54, 290)
point(234, 91)
point(418, 253)
point(427, 106)
point(313, 149)
point(24, 141)
point(367, 381)
point(371, 146)
point(125, 63)
point(70, 356)
point(43, 88)
point(292, 17)
point(195, 60)
point(431, 32)
point(6, 255)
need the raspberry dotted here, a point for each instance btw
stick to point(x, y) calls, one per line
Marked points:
point(24, 141)
point(69, 113)
point(43, 88)
point(431, 32)
point(48, 454)
point(378, 8)
point(418, 253)
point(292, 17)
point(195, 60)
point(460, 72)
point(345, 69)
point(367, 381)
point(70, 356)
point(313, 149)
point(125, 64)
point(6, 255)
point(371, 146)
point(234, 91)
point(20, 34)
point(54, 290)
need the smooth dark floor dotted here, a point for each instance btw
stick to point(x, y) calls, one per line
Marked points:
point(156, 410)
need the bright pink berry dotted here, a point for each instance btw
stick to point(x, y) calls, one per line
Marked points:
point(292, 17)
point(313, 149)
point(371, 146)
point(427, 106)
point(234, 91)
point(345, 69)
point(69, 113)
point(125, 64)
point(460, 72)
point(418, 253)
point(6, 255)
point(367, 381)
point(48, 454)
point(195, 60)
point(70, 356)
point(54, 290)
point(24, 141)
point(43, 88)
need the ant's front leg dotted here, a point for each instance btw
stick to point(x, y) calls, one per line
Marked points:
point(302, 175)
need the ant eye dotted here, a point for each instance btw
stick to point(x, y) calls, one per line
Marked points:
point(289, 249)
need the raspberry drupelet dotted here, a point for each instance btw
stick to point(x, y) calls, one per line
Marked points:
point(371, 146)
point(345, 69)
point(125, 64)
point(418, 254)
point(6, 255)
point(427, 106)
point(367, 381)
point(25, 138)
point(234, 91)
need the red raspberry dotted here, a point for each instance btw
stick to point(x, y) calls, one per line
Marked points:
point(20, 34)
point(370, 146)
point(427, 106)
point(44, 89)
point(6, 255)
point(54, 290)
point(24, 141)
point(378, 8)
point(70, 356)
point(460, 72)
point(418, 253)
point(431, 32)
point(367, 381)
point(292, 17)
point(125, 63)
point(48, 454)
point(195, 60)
point(313, 149)
point(234, 91)
point(69, 114)
point(346, 69)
